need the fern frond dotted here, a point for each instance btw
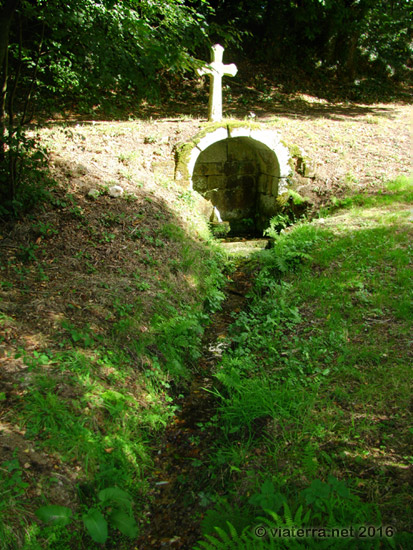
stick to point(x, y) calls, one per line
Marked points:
point(288, 516)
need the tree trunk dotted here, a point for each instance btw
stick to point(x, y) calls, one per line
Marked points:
point(351, 56)
point(6, 17)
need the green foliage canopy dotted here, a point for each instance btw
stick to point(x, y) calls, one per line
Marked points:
point(89, 49)
point(349, 37)
point(57, 55)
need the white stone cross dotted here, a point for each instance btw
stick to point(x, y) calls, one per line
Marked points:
point(216, 70)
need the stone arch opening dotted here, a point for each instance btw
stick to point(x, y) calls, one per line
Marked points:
point(240, 170)
point(240, 177)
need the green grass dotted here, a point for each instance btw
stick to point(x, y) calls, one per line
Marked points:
point(95, 413)
point(317, 382)
point(95, 390)
point(398, 191)
point(313, 396)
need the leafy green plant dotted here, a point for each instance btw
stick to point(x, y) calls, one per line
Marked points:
point(173, 232)
point(121, 309)
point(13, 492)
point(277, 223)
point(45, 229)
point(213, 300)
point(27, 253)
point(288, 250)
point(114, 509)
point(249, 400)
point(149, 260)
point(34, 360)
point(79, 335)
point(178, 339)
point(107, 237)
point(230, 539)
point(187, 197)
point(11, 480)
point(24, 176)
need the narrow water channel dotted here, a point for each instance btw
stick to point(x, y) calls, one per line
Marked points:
point(181, 478)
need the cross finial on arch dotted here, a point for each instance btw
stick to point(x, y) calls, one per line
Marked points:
point(216, 70)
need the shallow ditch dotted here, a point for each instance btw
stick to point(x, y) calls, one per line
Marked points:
point(181, 478)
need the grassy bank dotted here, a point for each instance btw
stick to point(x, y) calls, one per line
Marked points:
point(104, 302)
point(315, 391)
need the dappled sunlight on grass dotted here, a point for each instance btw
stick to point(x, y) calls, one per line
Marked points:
point(327, 329)
point(104, 308)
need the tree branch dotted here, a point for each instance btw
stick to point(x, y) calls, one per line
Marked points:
point(6, 17)
point(36, 67)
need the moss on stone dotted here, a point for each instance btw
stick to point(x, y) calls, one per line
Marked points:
point(296, 197)
point(233, 123)
point(210, 127)
point(282, 199)
point(294, 150)
point(182, 155)
point(299, 162)
point(184, 150)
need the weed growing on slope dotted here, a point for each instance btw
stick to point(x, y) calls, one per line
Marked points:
point(114, 509)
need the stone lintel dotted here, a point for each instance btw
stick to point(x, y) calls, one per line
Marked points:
point(234, 132)
point(268, 204)
point(216, 182)
point(263, 183)
point(218, 135)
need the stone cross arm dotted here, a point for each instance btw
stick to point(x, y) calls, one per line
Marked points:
point(217, 67)
point(216, 70)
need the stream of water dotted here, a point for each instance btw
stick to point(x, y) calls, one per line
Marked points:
point(181, 477)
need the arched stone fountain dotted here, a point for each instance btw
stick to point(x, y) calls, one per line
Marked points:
point(242, 169)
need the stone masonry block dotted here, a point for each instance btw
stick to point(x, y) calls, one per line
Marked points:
point(216, 182)
point(264, 183)
point(217, 152)
point(248, 168)
point(235, 132)
point(239, 149)
point(209, 169)
point(233, 182)
point(267, 205)
point(274, 186)
point(231, 168)
point(200, 183)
